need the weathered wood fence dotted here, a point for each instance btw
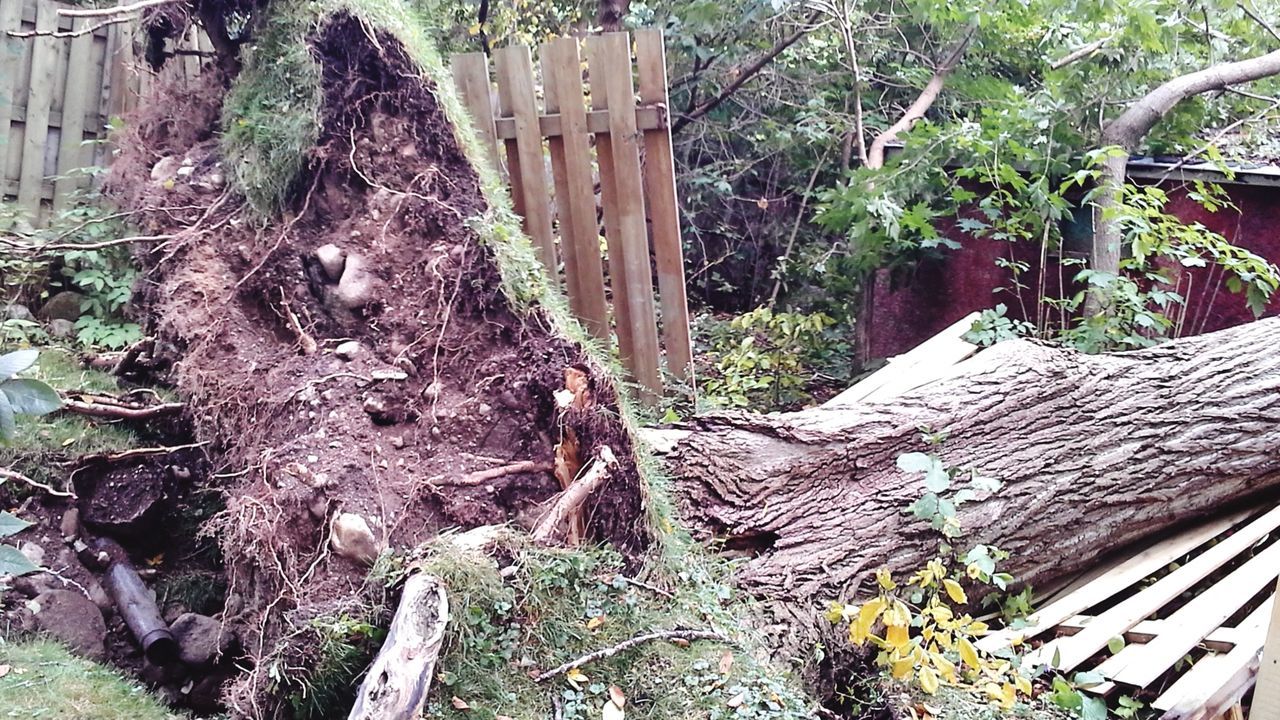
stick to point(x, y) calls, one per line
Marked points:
point(595, 135)
point(64, 75)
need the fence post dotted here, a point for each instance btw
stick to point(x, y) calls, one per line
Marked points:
point(75, 104)
point(10, 64)
point(575, 186)
point(664, 211)
point(516, 99)
point(471, 76)
point(609, 61)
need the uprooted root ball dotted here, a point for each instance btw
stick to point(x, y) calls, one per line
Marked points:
point(357, 354)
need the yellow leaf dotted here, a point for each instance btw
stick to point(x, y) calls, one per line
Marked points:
point(575, 676)
point(897, 614)
point(977, 628)
point(928, 680)
point(1022, 684)
point(155, 560)
point(954, 591)
point(968, 653)
point(902, 669)
point(726, 662)
point(885, 579)
point(595, 622)
point(474, 29)
point(897, 636)
point(945, 666)
point(1007, 696)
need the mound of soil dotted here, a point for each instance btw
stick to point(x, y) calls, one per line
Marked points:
point(446, 380)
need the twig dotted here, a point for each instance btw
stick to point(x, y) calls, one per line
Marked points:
point(1079, 53)
point(1259, 19)
point(64, 247)
point(646, 586)
point(7, 474)
point(573, 496)
point(628, 644)
point(118, 10)
point(1216, 137)
point(124, 412)
point(480, 477)
point(87, 30)
point(138, 452)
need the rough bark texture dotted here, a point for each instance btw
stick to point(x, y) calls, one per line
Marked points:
point(1094, 451)
point(1128, 130)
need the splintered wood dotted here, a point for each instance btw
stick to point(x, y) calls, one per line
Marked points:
point(1227, 567)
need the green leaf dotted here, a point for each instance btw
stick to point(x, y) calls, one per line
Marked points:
point(937, 479)
point(1094, 708)
point(15, 362)
point(30, 397)
point(8, 426)
point(1115, 645)
point(11, 524)
point(13, 562)
point(1089, 679)
point(915, 462)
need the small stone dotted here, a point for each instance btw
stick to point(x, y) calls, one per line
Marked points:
point(60, 328)
point(202, 640)
point(485, 408)
point(332, 258)
point(14, 311)
point(352, 538)
point(33, 552)
point(435, 432)
point(166, 168)
point(185, 171)
point(35, 584)
point(73, 619)
point(64, 305)
point(397, 442)
point(374, 406)
point(70, 525)
point(357, 286)
point(432, 391)
point(348, 350)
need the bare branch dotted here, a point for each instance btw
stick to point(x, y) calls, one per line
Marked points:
point(7, 474)
point(1258, 19)
point(110, 11)
point(686, 635)
point(1080, 53)
point(87, 30)
point(120, 411)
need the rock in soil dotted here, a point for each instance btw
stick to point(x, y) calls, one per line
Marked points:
point(63, 306)
point(125, 501)
point(356, 288)
point(70, 524)
point(347, 350)
point(60, 328)
point(73, 619)
point(202, 640)
point(33, 552)
point(332, 259)
point(352, 538)
point(14, 311)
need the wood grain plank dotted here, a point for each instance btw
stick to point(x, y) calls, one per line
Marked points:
point(516, 99)
point(1220, 640)
point(1123, 576)
point(903, 372)
point(75, 103)
point(471, 78)
point(1266, 700)
point(10, 64)
point(648, 117)
point(1074, 650)
point(664, 209)
point(1200, 616)
point(1213, 672)
point(44, 63)
point(609, 56)
point(560, 186)
point(575, 188)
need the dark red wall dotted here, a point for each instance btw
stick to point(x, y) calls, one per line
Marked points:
point(923, 300)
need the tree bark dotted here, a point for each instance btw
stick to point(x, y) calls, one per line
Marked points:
point(1095, 452)
point(1128, 130)
point(396, 685)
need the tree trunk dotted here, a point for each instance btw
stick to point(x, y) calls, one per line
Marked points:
point(1095, 452)
point(1128, 130)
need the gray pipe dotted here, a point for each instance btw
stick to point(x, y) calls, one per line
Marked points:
point(139, 611)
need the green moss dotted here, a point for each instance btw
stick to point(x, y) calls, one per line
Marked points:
point(42, 442)
point(43, 680)
point(556, 605)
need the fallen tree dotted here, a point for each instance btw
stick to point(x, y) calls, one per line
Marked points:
point(1094, 452)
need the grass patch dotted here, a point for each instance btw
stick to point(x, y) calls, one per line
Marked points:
point(43, 442)
point(44, 680)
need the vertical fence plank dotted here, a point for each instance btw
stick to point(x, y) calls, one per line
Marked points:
point(516, 99)
point(1266, 697)
point(471, 78)
point(664, 211)
point(560, 182)
point(75, 103)
point(10, 64)
point(575, 188)
point(189, 44)
point(610, 54)
point(44, 61)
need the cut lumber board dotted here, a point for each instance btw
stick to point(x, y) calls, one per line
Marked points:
point(1213, 672)
point(1219, 640)
point(1074, 650)
point(1123, 576)
point(929, 361)
point(1204, 613)
point(1266, 701)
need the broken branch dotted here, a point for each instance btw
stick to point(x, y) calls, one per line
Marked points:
point(7, 474)
point(573, 496)
point(120, 411)
point(87, 30)
point(109, 11)
point(396, 685)
point(628, 644)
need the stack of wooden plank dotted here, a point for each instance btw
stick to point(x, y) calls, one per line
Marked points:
point(1178, 645)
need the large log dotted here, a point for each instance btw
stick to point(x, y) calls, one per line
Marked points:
point(1095, 452)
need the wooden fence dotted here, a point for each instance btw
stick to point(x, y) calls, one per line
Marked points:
point(63, 77)
point(594, 134)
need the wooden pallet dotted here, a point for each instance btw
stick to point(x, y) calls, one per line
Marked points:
point(1217, 681)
